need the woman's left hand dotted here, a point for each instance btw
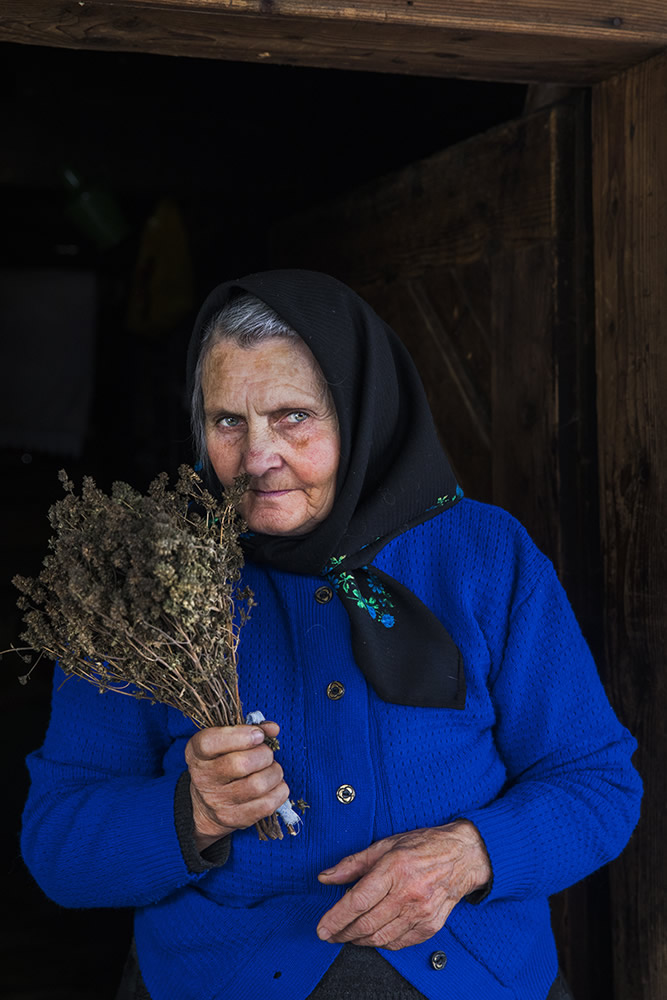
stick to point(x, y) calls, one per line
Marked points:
point(406, 886)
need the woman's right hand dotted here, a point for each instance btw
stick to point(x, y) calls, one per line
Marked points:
point(234, 780)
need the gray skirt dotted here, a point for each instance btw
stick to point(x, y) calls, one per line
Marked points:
point(357, 974)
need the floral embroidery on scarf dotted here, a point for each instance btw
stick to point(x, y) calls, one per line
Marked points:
point(378, 604)
point(442, 501)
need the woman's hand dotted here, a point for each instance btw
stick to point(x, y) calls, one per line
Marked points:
point(407, 886)
point(234, 780)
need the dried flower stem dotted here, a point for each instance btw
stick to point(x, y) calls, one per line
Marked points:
point(139, 595)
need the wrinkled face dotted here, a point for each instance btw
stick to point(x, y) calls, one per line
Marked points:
point(266, 415)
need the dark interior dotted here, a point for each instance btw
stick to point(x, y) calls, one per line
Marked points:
point(94, 146)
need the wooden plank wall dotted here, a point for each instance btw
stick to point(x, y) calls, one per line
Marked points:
point(630, 212)
point(479, 257)
point(517, 40)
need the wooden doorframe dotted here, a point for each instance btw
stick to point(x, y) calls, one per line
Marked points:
point(620, 52)
point(479, 257)
point(629, 133)
point(554, 41)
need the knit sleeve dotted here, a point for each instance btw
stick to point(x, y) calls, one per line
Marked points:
point(571, 798)
point(213, 856)
point(98, 826)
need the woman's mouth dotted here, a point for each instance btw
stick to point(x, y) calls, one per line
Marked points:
point(270, 494)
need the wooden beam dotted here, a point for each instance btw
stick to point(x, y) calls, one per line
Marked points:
point(630, 212)
point(519, 40)
point(642, 19)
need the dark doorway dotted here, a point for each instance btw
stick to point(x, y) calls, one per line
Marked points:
point(101, 150)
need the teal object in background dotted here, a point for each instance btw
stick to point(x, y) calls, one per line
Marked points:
point(94, 211)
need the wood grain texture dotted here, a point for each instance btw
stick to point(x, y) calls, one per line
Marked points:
point(427, 326)
point(470, 255)
point(478, 257)
point(465, 203)
point(630, 205)
point(645, 20)
point(525, 393)
point(522, 41)
point(424, 245)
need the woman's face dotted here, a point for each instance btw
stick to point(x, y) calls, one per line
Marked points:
point(266, 415)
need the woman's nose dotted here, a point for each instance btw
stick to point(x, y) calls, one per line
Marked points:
point(261, 453)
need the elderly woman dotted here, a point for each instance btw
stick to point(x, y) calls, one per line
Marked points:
point(438, 706)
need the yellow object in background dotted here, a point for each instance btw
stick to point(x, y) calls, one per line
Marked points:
point(162, 289)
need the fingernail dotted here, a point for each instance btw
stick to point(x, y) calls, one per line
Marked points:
point(257, 736)
point(328, 871)
point(323, 934)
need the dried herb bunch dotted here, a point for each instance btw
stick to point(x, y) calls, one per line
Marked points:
point(139, 595)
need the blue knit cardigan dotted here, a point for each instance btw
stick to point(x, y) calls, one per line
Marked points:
point(536, 759)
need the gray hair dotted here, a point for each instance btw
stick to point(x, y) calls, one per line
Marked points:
point(247, 322)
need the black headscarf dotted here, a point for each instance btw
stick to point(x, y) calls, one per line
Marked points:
point(392, 475)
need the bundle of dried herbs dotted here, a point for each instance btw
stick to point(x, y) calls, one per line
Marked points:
point(139, 595)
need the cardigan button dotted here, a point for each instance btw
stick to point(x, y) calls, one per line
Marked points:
point(345, 794)
point(335, 690)
point(438, 960)
point(323, 595)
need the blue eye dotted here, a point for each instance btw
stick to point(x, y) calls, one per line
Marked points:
point(229, 422)
point(298, 416)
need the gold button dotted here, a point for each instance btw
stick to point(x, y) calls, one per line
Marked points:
point(345, 794)
point(323, 595)
point(335, 690)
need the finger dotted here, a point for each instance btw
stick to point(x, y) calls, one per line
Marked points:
point(211, 776)
point(252, 786)
point(405, 938)
point(215, 741)
point(405, 930)
point(237, 766)
point(370, 924)
point(355, 865)
point(387, 935)
point(211, 822)
point(270, 728)
point(245, 814)
point(393, 937)
point(370, 891)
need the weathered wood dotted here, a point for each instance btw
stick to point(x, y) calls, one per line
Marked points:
point(525, 393)
point(452, 354)
point(523, 40)
point(421, 245)
point(643, 18)
point(543, 95)
point(497, 203)
point(630, 206)
point(477, 257)
point(464, 203)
